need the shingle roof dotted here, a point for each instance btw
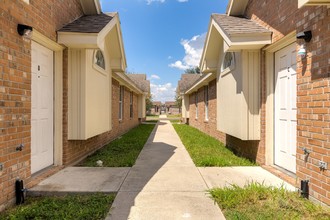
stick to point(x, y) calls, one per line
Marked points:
point(237, 25)
point(186, 81)
point(88, 23)
point(170, 103)
point(141, 81)
point(158, 103)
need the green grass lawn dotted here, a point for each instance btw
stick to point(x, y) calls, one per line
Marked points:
point(206, 150)
point(94, 206)
point(257, 201)
point(123, 151)
point(152, 117)
point(173, 116)
point(152, 121)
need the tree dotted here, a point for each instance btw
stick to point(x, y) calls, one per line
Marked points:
point(148, 102)
point(193, 70)
point(178, 101)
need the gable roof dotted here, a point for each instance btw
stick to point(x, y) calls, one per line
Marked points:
point(229, 33)
point(238, 25)
point(186, 81)
point(100, 31)
point(89, 23)
point(141, 81)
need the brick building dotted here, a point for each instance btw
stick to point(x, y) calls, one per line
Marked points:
point(63, 91)
point(269, 62)
point(156, 108)
point(171, 107)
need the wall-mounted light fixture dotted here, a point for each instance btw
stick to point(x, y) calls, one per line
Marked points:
point(306, 35)
point(25, 31)
point(302, 51)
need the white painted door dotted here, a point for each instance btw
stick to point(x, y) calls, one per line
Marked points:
point(285, 108)
point(42, 144)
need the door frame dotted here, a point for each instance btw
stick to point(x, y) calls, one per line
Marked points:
point(270, 92)
point(58, 92)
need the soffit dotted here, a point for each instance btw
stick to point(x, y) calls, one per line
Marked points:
point(91, 7)
point(312, 2)
point(236, 7)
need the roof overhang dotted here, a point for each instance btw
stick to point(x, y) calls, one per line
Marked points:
point(217, 41)
point(91, 7)
point(110, 33)
point(312, 2)
point(203, 82)
point(127, 82)
point(236, 7)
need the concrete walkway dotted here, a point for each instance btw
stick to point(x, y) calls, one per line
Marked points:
point(163, 184)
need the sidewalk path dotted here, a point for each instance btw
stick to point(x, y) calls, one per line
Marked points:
point(164, 183)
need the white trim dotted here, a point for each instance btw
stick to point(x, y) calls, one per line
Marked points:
point(58, 93)
point(121, 102)
point(302, 3)
point(206, 102)
point(97, 67)
point(270, 76)
point(196, 104)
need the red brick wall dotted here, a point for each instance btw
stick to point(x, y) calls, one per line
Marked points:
point(46, 16)
point(313, 91)
point(248, 149)
point(77, 150)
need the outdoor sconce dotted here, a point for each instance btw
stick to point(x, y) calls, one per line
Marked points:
point(302, 51)
point(306, 35)
point(25, 31)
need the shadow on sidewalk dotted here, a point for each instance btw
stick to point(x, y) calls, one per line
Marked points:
point(152, 158)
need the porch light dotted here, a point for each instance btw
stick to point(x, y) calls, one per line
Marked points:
point(306, 35)
point(302, 51)
point(25, 31)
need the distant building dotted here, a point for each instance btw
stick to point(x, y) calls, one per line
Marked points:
point(156, 108)
point(171, 107)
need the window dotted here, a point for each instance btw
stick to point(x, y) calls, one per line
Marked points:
point(99, 59)
point(196, 104)
point(228, 61)
point(121, 102)
point(131, 105)
point(206, 102)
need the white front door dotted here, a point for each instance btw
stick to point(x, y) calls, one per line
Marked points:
point(42, 137)
point(285, 108)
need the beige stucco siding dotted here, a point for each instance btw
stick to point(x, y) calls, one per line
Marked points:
point(89, 96)
point(238, 97)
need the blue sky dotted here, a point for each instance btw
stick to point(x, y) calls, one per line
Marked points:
point(163, 37)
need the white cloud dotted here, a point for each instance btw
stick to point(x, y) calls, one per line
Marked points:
point(169, 57)
point(154, 76)
point(183, 0)
point(151, 1)
point(165, 92)
point(179, 65)
point(193, 51)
